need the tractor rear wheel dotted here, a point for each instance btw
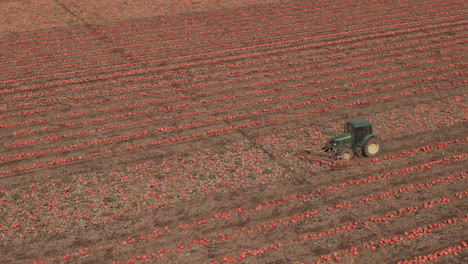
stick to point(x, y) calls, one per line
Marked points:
point(345, 153)
point(372, 147)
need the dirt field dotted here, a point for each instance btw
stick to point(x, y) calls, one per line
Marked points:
point(174, 134)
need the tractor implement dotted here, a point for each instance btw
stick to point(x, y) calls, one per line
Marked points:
point(325, 158)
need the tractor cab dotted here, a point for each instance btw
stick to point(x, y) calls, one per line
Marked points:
point(357, 138)
point(359, 129)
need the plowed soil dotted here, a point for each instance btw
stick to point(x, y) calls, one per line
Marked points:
point(179, 137)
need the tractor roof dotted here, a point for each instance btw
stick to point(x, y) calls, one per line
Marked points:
point(359, 122)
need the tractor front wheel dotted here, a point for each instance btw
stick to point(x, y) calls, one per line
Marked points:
point(372, 147)
point(345, 153)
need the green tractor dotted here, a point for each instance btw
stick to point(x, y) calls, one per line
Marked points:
point(357, 138)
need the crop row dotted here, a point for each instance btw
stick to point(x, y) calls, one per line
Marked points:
point(315, 26)
point(166, 26)
point(292, 219)
point(316, 8)
point(390, 156)
point(408, 235)
point(53, 206)
point(379, 11)
point(52, 108)
point(88, 71)
point(176, 35)
point(289, 222)
point(233, 97)
point(253, 47)
point(138, 134)
point(215, 18)
point(164, 109)
point(436, 255)
point(106, 95)
point(182, 138)
point(319, 35)
point(209, 77)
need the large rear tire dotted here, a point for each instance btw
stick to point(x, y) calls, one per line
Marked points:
point(372, 147)
point(345, 153)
